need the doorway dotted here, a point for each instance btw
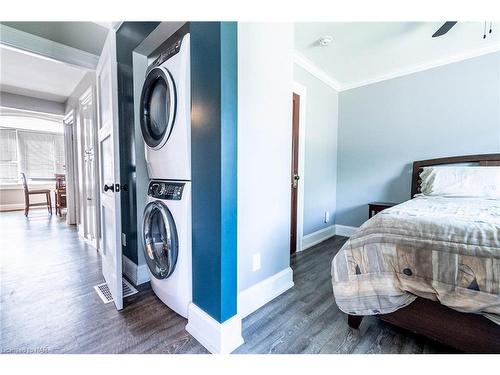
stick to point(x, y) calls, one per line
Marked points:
point(297, 168)
point(294, 177)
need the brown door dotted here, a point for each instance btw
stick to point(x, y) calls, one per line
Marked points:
point(294, 178)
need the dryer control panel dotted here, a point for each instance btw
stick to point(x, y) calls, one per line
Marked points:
point(166, 190)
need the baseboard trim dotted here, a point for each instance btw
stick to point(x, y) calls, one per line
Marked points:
point(253, 298)
point(217, 338)
point(323, 234)
point(316, 237)
point(136, 274)
point(15, 207)
point(344, 230)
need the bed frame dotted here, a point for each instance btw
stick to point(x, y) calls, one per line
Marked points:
point(470, 333)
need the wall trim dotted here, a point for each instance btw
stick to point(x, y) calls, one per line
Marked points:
point(424, 66)
point(323, 234)
point(136, 274)
point(256, 296)
point(344, 230)
point(315, 70)
point(217, 338)
point(15, 207)
point(316, 237)
point(319, 73)
point(33, 44)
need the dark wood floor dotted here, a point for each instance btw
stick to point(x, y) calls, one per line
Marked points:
point(48, 304)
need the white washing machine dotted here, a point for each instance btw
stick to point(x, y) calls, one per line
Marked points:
point(167, 242)
point(165, 112)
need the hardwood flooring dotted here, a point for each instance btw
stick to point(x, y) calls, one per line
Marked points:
point(48, 304)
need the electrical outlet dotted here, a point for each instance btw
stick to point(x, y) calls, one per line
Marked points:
point(256, 262)
point(327, 216)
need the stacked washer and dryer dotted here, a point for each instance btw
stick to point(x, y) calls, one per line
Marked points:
point(165, 111)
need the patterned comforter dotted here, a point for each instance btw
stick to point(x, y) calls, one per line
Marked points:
point(442, 249)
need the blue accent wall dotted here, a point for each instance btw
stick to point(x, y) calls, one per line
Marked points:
point(229, 137)
point(383, 127)
point(213, 141)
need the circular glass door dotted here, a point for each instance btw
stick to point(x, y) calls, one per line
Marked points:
point(160, 242)
point(158, 104)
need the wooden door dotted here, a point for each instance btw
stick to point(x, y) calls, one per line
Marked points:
point(109, 170)
point(294, 175)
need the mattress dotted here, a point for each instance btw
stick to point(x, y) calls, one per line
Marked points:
point(442, 249)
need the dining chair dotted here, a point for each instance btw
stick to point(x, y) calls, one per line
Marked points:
point(28, 193)
point(60, 192)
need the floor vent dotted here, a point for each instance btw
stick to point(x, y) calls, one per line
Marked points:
point(103, 291)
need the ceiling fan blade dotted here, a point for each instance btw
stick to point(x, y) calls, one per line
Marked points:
point(444, 29)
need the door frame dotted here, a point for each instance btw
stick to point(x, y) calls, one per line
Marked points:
point(90, 95)
point(71, 168)
point(301, 91)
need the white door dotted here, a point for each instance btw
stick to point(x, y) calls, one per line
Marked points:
point(109, 170)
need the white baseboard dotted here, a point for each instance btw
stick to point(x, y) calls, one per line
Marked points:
point(316, 237)
point(15, 207)
point(261, 293)
point(344, 230)
point(323, 234)
point(217, 338)
point(137, 274)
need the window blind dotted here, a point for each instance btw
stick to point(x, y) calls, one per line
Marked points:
point(41, 154)
point(8, 155)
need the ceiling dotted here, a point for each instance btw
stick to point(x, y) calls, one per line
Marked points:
point(85, 36)
point(366, 52)
point(27, 74)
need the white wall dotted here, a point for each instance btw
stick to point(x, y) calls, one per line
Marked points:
point(265, 76)
point(320, 171)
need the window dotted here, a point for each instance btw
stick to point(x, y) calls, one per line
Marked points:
point(26, 146)
point(41, 154)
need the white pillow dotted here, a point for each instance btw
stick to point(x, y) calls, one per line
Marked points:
point(461, 181)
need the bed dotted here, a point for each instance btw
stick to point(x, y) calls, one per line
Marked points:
point(430, 265)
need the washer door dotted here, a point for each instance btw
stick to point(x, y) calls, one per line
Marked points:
point(160, 242)
point(158, 107)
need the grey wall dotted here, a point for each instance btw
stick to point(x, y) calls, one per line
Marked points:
point(265, 75)
point(320, 172)
point(384, 127)
point(31, 104)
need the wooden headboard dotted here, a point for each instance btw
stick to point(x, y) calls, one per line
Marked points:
point(484, 160)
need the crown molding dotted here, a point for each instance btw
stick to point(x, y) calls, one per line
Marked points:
point(423, 67)
point(316, 71)
point(45, 48)
point(319, 73)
